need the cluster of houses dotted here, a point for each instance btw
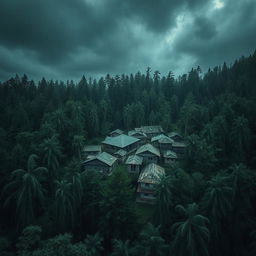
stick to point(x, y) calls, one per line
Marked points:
point(143, 151)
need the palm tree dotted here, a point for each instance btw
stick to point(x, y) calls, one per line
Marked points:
point(208, 133)
point(151, 242)
point(52, 154)
point(241, 135)
point(59, 120)
point(26, 189)
point(77, 144)
point(191, 234)
point(189, 112)
point(77, 189)
point(64, 205)
point(242, 181)
point(192, 144)
point(75, 113)
point(163, 202)
point(93, 245)
point(217, 201)
point(121, 248)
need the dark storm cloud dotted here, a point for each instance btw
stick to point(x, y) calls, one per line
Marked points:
point(225, 35)
point(65, 39)
point(159, 15)
point(204, 28)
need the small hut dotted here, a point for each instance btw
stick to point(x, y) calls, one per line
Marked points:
point(149, 177)
point(116, 133)
point(175, 136)
point(169, 157)
point(134, 163)
point(103, 163)
point(120, 155)
point(149, 153)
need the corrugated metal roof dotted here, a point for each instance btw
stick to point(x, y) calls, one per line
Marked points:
point(136, 133)
point(152, 173)
point(151, 129)
point(120, 141)
point(172, 134)
point(117, 131)
point(179, 144)
point(92, 148)
point(170, 154)
point(135, 160)
point(148, 147)
point(162, 139)
point(103, 157)
point(121, 152)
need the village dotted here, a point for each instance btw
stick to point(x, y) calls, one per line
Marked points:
point(144, 151)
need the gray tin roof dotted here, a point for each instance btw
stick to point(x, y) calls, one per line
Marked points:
point(103, 157)
point(120, 141)
point(149, 148)
point(134, 160)
point(117, 131)
point(90, 148)
point(162, 139)
point(170, 154)
point(151, 173)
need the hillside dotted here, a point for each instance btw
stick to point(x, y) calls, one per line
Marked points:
point(205, 204)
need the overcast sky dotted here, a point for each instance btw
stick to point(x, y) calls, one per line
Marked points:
point(64, 39)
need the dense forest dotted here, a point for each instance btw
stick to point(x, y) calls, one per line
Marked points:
point(206, 204)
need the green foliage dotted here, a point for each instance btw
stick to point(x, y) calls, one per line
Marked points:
point(199, 154)
point(77, 145)
point(25, 187)
point(163, 201)
point(240, 134)
point(191, 233)
point(217, 114)
point(5, 247)
point(218, 201)
point(93, 245)
point(30, 239)
point(190, 116)
point(64, 203)
point(117, 207)
point(150, 242)
point(52, 154)
point(60, 245)
point(121, 248)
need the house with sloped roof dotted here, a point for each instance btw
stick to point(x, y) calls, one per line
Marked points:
point(150, 131)
point(169, 157)
point(120, 155)
point(139, 135)
point(149, 178)
point(149, 153)
point(162, 142)
point(91, 150)
point(179, 148)
point(175, 136)
point(134, 163)
point(116, 133)
point(124, 142)
point(103, 163)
